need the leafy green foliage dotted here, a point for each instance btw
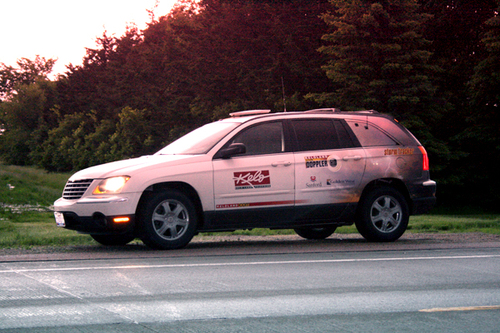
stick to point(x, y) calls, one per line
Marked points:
point(24, 117)
point(28, 72)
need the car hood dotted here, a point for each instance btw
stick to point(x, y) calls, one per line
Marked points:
point(130, 166)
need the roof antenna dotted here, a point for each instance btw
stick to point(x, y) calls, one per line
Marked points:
point(284, 97)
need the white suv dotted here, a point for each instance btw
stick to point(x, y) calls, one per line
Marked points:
point(310, 171)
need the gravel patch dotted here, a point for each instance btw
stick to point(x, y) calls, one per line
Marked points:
point(249, 245)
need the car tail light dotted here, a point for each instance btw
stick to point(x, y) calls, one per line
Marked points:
point(425, 157)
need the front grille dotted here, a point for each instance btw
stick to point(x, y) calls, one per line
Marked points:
point(75, 189)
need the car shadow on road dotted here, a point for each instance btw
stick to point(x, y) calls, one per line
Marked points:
point(227, 245)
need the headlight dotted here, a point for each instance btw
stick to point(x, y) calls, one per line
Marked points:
point(111, 185)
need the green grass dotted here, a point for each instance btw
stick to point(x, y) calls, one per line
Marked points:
point(30, 186)
point(37, 229)
point(26, 220)
point(485, 223)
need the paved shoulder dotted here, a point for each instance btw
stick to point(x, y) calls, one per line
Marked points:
point(240, 244)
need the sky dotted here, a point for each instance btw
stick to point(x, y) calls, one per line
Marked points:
point(62, 29)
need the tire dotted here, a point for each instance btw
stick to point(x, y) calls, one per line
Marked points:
point(315, 233)
point(113, 240)
point(383, 215)
point(168, 220)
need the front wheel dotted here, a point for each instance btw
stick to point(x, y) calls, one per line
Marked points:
point(315, 233)
point(168, 220)
point(383, 215)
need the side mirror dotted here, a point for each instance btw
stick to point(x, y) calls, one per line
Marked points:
point(232, 150)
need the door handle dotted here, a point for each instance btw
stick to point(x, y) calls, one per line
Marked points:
point(284, 163)
point(355, 158)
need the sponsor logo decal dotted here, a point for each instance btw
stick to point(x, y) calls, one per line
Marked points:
point(320, 161)
point(330, 182)
point(399, 151)
point(252, 179)
point(314, 182)
point(334, 163)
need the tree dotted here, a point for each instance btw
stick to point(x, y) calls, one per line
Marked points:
point(456, 30)
point(26, 100)
point(378, 57)
point(25, 119)
point(28, 72)
point(481, 136)
point(59, 150)
point(260, 49)
point(484, 86)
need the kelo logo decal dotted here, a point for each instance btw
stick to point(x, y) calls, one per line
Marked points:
point(252, 179)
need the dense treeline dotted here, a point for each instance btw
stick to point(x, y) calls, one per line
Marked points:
point(432, 64)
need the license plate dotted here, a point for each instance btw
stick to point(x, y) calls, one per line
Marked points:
point(59, 219)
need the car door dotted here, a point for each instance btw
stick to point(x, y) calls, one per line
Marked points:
point(255, 188)
point(329, 168)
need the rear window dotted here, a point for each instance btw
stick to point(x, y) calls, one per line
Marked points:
point(370, 135)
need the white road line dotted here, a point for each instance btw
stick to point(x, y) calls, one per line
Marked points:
point(463, 308)
point(284, 262)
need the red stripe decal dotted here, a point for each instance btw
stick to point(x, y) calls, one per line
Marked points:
point(259, 204)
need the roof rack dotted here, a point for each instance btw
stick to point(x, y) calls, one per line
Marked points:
point(248, 113)
point(334, 110)
point(326, 110)
point(367, 111)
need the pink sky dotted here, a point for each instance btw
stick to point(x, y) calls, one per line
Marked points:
point(63, 28)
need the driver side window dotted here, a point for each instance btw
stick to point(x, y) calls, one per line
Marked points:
point(266, 138)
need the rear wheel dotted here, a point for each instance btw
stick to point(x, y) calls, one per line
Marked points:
point(113, 240)
point(315, 232)
point(168, 220)
point(383, 215)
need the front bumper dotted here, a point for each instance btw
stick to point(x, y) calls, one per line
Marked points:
point(98, 223)
point(97, 215)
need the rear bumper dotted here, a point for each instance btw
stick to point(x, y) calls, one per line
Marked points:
point(424, 197)
point(423, 205)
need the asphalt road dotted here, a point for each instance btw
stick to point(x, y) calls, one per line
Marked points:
point(254, 286)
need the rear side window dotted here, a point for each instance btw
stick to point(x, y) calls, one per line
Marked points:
point(320, 134)
point(370, 136)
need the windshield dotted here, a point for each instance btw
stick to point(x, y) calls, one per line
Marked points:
point(199, 141)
